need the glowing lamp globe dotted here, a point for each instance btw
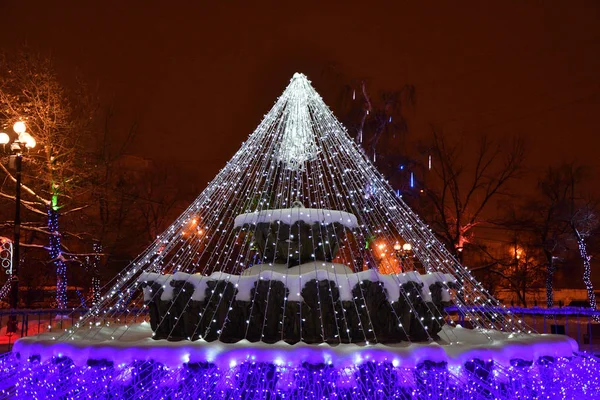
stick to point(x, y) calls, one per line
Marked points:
point(406, 247)
point(24, 136)
point(4, 139)
point(19, 127)
point(397, 247)
point(30, 143)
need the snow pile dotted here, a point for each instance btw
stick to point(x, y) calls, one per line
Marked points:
point(295, 281)
point(291, 215)
point(125, 344)
point(298, 269)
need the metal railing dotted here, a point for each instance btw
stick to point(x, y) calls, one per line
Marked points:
point(35, 321)
point(579, 323)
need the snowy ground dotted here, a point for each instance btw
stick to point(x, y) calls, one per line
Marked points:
point(124, 344)
point(575, 327)
point(33, 326)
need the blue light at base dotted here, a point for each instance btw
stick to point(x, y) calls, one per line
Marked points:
point(59, 377)
point(412, 179)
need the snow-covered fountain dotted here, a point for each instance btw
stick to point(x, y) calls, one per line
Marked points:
point(281, 281)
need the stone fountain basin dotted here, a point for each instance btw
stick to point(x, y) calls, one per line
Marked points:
point(294, 236)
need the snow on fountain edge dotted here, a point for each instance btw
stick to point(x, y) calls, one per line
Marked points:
point(345, 281)
point(125, 344)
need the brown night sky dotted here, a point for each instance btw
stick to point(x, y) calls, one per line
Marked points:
point(199, 77)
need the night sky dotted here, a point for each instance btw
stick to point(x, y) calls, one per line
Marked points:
point(198, 78)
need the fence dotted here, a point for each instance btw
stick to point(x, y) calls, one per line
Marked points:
point(578, 323)
point(32, 322)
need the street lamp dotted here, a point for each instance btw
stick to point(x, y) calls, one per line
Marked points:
point(402, 252)
point(22, 142)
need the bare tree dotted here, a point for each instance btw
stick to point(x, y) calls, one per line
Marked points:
point(545, 218)
point(377, 120)
point(457, 194)
point(136, 199)
point(583, 222)
point(581, 216)
point(559, 218)
point(58, 167)
point(109, 211)
point(156, 199)
point(518, 265)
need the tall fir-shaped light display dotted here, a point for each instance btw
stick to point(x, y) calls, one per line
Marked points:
point(284, 279)
point(301, 153)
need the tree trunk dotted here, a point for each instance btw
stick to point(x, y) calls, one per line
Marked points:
point(56, 258)
point(523, 292)
point(549, 288)
point(522, 296)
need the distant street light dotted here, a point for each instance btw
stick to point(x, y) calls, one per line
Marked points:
point(21, 143)
point(402, 253)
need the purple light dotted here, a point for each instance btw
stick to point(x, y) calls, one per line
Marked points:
point(532, 310)
point(121, 345)
point(161, 369)
point(575, 377)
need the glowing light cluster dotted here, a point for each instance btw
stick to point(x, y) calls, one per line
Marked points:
point(297, 143)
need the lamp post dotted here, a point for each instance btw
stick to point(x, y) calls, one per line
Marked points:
point(402, 252)
point(22, 142)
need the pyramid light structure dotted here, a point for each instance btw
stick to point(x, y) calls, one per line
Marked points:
point(285, 278)
point(301, 153)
